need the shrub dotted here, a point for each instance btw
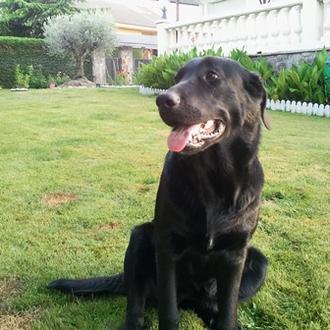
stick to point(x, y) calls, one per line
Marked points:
point(302, 82)
point(38, 79)
point(59, 79)
point(34, 78)
point(120, 79)
point(160, 72)
point(22, 78)
point(278, 88)
point(243, 58)
point(260, 65)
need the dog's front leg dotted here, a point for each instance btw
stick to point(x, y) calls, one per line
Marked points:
point(229, 274)
point(166, 283)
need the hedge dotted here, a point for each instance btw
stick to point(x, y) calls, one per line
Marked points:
point(30, 51)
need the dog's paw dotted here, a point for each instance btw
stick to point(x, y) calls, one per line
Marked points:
point(132, 325)
point(214, 327)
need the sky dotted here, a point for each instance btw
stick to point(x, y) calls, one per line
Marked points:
point(187, 13)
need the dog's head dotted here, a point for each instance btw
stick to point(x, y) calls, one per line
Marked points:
point(211, 99)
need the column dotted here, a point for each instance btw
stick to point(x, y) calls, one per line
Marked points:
point(311, 23)
point(162, 36)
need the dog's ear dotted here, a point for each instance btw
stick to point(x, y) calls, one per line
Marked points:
point(256, 89)
point(264, 115)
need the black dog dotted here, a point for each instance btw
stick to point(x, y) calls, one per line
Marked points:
point(195, 252)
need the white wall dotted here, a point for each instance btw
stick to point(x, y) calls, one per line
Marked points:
point(232, 7)
point(187, 13)
point(280, 26)
point(224, 7)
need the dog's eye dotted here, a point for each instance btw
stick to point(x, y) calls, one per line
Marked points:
point(212, 76)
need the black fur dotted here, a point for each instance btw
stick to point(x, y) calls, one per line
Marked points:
point(195, 252)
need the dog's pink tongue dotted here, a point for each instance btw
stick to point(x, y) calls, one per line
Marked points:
point(178, 138)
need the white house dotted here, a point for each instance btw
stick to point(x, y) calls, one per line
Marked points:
point(258, 26)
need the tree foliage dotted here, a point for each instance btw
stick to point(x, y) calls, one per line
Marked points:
point(79, 35)
point(25, 18)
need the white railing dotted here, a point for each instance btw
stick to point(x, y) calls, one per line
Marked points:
point(294, 26)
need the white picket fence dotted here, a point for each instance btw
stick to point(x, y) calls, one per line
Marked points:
point(305, 108)
point(150, 90)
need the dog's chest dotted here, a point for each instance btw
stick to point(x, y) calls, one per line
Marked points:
point(204, 237)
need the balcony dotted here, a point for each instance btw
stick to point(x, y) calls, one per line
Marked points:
point(284, 26)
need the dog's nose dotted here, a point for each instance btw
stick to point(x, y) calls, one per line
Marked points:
point(168, 100)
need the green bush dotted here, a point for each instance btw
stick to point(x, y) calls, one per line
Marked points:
point(260, 65)
point(243, 58)
point(303, 82)
point(30, 51)
point(59, 79)
point(38, 79)
point(160, 72)
point(120, 79)
point(34, 78)
point(22, 78)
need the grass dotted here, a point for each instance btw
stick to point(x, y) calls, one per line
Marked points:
point(79, 168)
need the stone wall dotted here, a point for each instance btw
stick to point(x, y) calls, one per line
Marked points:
point(126, 55)
point(287, 60)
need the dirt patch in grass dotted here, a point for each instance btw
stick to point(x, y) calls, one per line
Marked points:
point(56, 199)
point(9, 287)
point(144, 189)
point(79, 83)
point(267, 202)
point(108, 227)
point(18, 321)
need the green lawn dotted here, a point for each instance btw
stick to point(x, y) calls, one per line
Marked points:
point(80, 168)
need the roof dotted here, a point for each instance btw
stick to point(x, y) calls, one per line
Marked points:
point(126, 14)
point(137, 41)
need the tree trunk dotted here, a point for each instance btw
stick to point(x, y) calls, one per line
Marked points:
point(80, 68)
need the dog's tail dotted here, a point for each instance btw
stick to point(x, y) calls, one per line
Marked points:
point(254, 273)
point(91, 286)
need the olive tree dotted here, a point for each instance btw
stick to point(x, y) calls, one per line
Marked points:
point(79, 35)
